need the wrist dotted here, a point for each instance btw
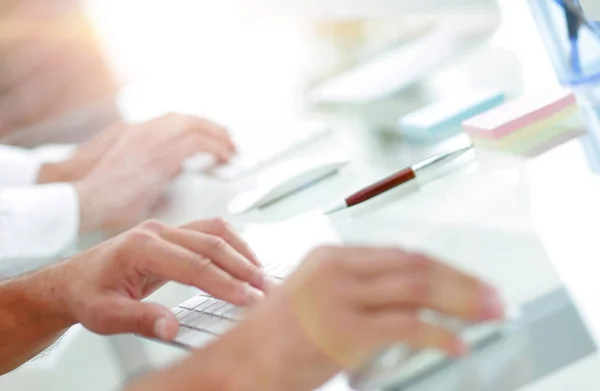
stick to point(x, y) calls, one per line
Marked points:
point(90, 212)
point(56, 172)
point(240, 352)
point(209, 368)
point(279, 355)
point(44, 291)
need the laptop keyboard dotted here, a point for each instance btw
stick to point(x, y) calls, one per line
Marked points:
point(203, 317)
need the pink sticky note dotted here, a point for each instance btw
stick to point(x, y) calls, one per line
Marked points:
point(518, 114)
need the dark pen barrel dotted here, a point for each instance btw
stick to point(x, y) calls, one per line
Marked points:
point(382, 186)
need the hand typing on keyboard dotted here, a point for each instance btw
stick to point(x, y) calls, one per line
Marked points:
point(102, 288)
point(121, 174)
point(339, 308)
point(208, 255)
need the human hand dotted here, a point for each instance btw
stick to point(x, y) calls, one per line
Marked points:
point(101, 288)
point(124, 172)
point(344, 305)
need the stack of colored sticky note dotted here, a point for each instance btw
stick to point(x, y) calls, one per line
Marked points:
point(527, 125)
point(443, 119)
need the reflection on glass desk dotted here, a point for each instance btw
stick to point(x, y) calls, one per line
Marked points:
point(549, 336)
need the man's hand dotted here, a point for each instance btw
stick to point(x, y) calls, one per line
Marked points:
point(102, 288)
point(121, 174)
point(346, 304)
point(338, 310)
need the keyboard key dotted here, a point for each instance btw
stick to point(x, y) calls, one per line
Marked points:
point(219, 326)
point(200, 339)
point(210, 323)
point(217, 310)
point(191, 319)
point(222, 310)
point(195, 302)
point(207, 304)
point(235, 313)
point(193, 338)
point(185, 333)
point(180, 313)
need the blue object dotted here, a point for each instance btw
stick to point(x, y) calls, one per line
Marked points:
point(573, 25)
point(444, 118)
point(573, 43)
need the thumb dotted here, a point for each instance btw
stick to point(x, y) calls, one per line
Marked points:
point(148, 319)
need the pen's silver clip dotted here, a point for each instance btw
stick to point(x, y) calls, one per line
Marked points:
point(440, 157)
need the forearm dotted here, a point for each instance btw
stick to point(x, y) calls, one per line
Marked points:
point(31, 318)
point(26, 167)
point(222, 366)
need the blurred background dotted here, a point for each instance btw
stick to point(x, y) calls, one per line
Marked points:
point(254, 58)
point(69, 68)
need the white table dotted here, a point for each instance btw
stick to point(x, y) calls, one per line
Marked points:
point(482, 216)
point(451, 217)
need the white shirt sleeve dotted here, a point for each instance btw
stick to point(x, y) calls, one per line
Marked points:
point(20, 167)
point(37, 222)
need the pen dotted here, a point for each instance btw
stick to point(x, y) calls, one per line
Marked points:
point(575, 8)
point(574, 21)
point(397, 179)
